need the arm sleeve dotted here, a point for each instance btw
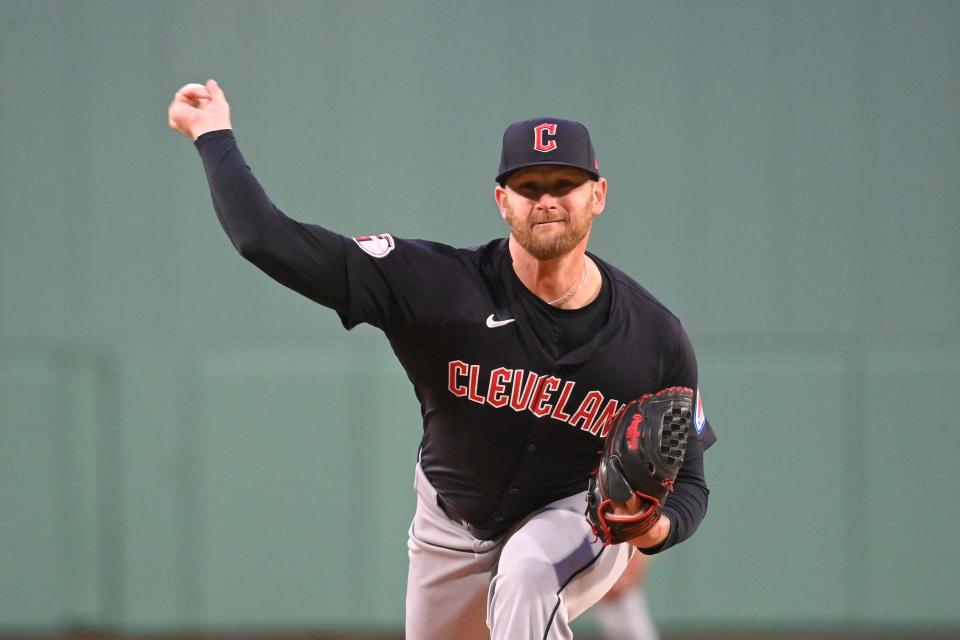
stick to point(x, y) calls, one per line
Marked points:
point(306, 258)
point(388, 282)
point(686, 506)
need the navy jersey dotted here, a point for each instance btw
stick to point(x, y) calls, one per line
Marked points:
point(512, 420)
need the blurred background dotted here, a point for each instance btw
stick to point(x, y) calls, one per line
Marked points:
point(187, 447)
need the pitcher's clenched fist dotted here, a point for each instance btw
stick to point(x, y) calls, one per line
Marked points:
point(197, 109)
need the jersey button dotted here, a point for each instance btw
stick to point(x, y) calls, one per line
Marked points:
point(498, 518)
point(531, 447)
point(513, 491)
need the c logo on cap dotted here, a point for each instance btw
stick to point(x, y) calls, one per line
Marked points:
point(538, 142)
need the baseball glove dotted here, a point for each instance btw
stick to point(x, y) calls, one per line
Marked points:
point(646, 442)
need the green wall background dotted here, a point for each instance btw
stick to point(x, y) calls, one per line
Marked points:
point(186, 445)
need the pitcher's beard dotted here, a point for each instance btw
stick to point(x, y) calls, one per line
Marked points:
point(544, 246)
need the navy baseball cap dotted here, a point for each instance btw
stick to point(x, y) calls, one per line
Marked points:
point(547, 141)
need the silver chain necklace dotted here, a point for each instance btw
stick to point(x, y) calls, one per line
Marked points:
point(572, 292)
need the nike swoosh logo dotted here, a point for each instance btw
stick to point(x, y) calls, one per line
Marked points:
point(493, 324)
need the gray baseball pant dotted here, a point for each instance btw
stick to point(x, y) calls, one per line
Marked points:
point(529, 583)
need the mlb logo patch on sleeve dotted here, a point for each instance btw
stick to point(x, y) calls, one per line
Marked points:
point(377, 246)
point(699, 419)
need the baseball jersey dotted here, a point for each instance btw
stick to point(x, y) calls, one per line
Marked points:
point(513, 415)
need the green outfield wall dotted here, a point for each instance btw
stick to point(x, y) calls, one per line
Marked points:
point(186, 445)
